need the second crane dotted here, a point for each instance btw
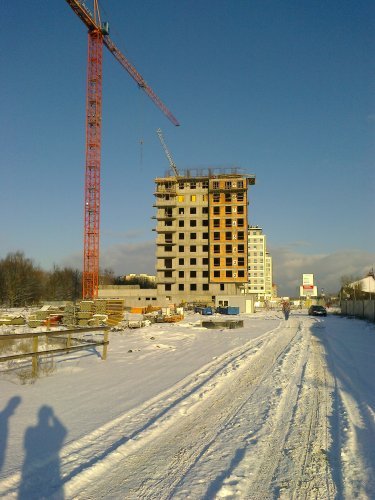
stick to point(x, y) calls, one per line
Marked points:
point(167, 153)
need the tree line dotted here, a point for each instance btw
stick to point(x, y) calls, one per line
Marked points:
point(22, 283)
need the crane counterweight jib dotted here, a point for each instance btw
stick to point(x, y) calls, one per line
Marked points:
point(84, 14)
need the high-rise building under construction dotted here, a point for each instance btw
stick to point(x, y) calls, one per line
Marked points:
point(202, 221)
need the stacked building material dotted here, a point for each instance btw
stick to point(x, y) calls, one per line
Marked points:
point(69, 315)
point(83, 317)
point(115, 311)
point(54, 319)
point(100, 306)
point(12, 319)
point(42, 314)
point(32, 322)
point(98, 320)
point(87, 306)
point(150, 309)
point(173, 318)
point(134, 324)
point(138, 310)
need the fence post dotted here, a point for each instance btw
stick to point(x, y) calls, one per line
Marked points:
point(69, 341)
point(105, 344)
point(35, 356)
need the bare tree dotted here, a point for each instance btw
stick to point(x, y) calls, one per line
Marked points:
point(21, 282)
point(351, 288)
point(63, 284)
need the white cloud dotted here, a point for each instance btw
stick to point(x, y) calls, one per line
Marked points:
point(123, 258)
point(124, 235)
point(128, 258)
point(289, 265)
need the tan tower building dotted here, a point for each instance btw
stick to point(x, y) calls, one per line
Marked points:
point(268, 275)
point(201, 234)
point(259, 264)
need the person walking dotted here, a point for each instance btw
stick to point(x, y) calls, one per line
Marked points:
point(286, 310)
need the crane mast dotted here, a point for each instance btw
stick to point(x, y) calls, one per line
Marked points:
point(90, 281)
point(167, 153)
point(98, 36)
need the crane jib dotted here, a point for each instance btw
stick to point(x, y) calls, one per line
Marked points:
point(138, 78)
point(88, 19)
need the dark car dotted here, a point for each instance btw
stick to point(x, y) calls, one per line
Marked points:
point(317, 311)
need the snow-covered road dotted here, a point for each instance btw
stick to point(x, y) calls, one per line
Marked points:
point(286, 412)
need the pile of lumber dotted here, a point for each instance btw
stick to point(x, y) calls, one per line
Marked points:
point(85, 313)
point(115, 311)
point(99, 312)
point(69, 318)
point(100, 306)
point(12, 319)
point(173, 318)
point(45, 316)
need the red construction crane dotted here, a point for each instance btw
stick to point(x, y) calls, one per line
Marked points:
point(98, 35)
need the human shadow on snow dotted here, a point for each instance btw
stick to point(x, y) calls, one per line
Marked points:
point(5, 415)
point(41, 476)
point(355, 381)
point(217, 483)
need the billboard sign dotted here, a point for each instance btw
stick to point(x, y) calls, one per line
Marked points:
point(308, 279)
point(307, 291)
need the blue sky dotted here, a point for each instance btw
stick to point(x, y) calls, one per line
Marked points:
point(281, 89)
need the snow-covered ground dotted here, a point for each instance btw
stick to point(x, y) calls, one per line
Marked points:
point(272, 410)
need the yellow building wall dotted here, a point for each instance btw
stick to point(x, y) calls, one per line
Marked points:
point(228, 226)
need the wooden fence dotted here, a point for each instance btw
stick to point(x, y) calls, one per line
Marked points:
point(71, 343)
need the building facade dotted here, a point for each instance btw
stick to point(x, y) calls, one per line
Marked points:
point(201, 242)
point(268, 276)
point(145, 277)
point(259, 264)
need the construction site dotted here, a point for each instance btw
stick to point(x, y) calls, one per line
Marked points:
point(201, 220)
point(201, 215)
point(193, 377)
point(201, 233)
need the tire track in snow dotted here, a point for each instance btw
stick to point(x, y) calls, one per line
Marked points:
point(310, 440)
point(248, 472)
point(99, 446)
point(279, 453)
point(268, 454)
point(164, 456)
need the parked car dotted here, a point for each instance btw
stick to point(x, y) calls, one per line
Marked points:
point(317, 311)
